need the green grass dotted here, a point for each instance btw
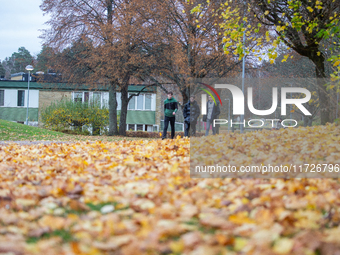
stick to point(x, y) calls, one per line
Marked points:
point(65, 235)
point(12, 131)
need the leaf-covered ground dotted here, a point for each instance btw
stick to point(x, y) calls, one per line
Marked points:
point(137, 197)
point(303, 152)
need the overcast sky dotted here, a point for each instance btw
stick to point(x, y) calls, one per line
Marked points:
point(20, 21)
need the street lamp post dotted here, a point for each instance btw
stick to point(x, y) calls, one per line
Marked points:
point(337, 100)
point(29, 68)
point(243, 70)
point(228, 114)
point(291, 109)
point(337, 104)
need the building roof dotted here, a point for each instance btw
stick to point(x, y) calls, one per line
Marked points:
point(67, 86)
point(17, 74)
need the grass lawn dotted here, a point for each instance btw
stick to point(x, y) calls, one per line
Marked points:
point(11, 131)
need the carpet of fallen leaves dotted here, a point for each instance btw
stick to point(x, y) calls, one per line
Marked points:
point(318, 146)
point(137, 197)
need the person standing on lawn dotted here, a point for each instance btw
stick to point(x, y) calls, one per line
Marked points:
point(170, 109)
point(191, 112)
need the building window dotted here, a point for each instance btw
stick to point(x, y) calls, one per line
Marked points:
point(141, 102)
point(132, 104)
point(118, 101)
point(148, 128)
point(139, 127)
point(21, 97)
point(78, 97)
point(96, 98)
point(86, 96)
point(2, 97)
point(148, 101)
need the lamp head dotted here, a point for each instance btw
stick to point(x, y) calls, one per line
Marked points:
point(29, 68)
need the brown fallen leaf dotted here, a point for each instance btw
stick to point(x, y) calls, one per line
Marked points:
point(76, 192)
point(114, 242)
point(191, 239)
point(216, 222)
point(189, 211)
point(11, 248)
point(78, 206)
point(52, 222)
point(43, 193)
point(23, 202)
point(38, 232)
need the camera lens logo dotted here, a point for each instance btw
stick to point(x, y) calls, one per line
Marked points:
point(209, 93)
point(204, 97)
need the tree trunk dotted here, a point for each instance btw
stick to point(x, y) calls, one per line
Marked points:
point(307, 121)
point(324, 100)
point(123, 111)
point(185, 93)
point(112, 110)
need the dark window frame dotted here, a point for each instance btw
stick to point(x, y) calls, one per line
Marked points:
point(21, 99)
point(2, 97)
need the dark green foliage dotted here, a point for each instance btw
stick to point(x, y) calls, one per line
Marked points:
point(64, 234)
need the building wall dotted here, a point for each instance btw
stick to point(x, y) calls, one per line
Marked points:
point(16, 78)
point(159, 106)
point(47, 97)
point(18, 114)
point(105, 99)
point(41, 99)
point(12, 112)
point(11, 98)
point(140, 117)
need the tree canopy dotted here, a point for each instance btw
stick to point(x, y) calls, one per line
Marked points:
point(17, 62)
point(101, 39)
point(112, 42)
point(303, 26)
point(185, 49)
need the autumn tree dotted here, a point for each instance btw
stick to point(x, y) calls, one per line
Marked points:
point(297, 71)
point(184, 49)
point(300, 25)
point(115, 32)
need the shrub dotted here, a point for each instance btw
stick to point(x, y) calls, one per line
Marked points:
point(67, 115)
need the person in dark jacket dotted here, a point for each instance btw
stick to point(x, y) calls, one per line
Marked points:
point(170, 109)
point(217, 126)
point(213, 110)
point(279, 124)
point(191, 112)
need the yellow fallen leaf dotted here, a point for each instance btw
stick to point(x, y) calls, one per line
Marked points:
point(283, 246)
